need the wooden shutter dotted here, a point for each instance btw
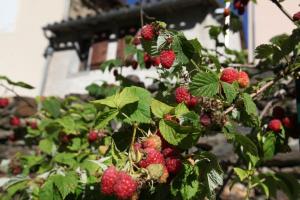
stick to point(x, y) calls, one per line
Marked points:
point(121, 48)
point(99, 52)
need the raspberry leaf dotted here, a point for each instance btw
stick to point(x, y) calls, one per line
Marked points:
point(159, 109)
point(205, 84)
point(230, 91)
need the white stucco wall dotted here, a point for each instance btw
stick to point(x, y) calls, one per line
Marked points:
point(21, 51)
point(270, 21)
point(64, 76)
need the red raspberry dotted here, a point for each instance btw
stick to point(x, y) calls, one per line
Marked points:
point(147, 61)
point(155, 61)
point(229, 75)
point(167, 58)
point(278, 112)
point(296, 16)
point(275, 125)
point(33, 125)
point(137, 146)
point(170, 152)
point(288, 122)
point(205, 120)
point(226, 12)
point(65, 138)
point(192, 102)
point(92, 136)
point(16, 170)
point(15, 121)
point(173, 165)
point(134, 64)
point(148, 32)
point(4, 102)
point(125, 186)
point(12, 137)
point(152, 157)
point(108, 180)
point(243, 79)
point(153, 141)
point(182, 95)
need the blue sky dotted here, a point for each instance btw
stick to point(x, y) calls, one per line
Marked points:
point(131, 1)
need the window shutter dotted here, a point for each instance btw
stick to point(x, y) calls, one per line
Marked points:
point(121, 48)
point(99, 52)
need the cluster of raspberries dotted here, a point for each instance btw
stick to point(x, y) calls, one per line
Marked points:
point(240, 5)
point(118, 183)
point(159, 157)
point(183, 95)
point(280, 119)
point(230, 75)
point(165, 59)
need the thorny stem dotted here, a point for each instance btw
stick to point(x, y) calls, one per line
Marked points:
point(17, 95)
point(282, 9)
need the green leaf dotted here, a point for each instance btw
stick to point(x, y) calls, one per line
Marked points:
point(65, 158)
point(52, 106)
point(140, 113)
point(250, 106)
point(265, 50)
point(186, 184)
point(119, 100)
point(230, 91)
point(181, 109)
point(130, 50)
point(247, 144)
point(205, 84)
point(46, 192)
point(16, 186)
point(47, 146)
point(178, 43)
point(168, 133)
point(66, 184)
point(214, 31)
point(242, 174)
point(69, 125)
point(76, 144)
point(269, 143)
point(159, 109)
point(110, 64)
point(104, 118)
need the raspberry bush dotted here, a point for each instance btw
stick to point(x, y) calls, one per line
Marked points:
point(134, 142)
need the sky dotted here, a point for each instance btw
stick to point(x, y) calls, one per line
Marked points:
point(131, 1)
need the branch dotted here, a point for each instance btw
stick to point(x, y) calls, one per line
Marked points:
point(253, 95)
point(283, 10)
point(17, 95)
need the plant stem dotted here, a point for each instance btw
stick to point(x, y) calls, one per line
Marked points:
point(283, 10)
point(135, 126)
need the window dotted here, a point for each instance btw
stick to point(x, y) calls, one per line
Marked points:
point(8, 15)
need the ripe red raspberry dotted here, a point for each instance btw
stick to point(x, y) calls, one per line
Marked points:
point(229, 75)
point(167, 58)
point(92, 136)
point(288, 122)
point(12, 137)
point(16, 170)
point(148, 32)
point(278, 112)
point(226, 12)
point(108, 180)
point(192, 102)
point(125, 186)
point(65, 138)
point(4, 102)
point(182, 95)
point(15, 121)
point(33, 125)
point(173, 165)
point(275, 125)
point(155, 61)
point(153, 141)
point(152, 157)
point(243, 79)
point(147, 61)
point(296, 16)
point(205, 120)
point(170, 152)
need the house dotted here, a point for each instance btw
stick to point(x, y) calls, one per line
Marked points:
point(78, 46)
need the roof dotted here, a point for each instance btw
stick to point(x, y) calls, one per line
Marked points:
point(83, 28)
